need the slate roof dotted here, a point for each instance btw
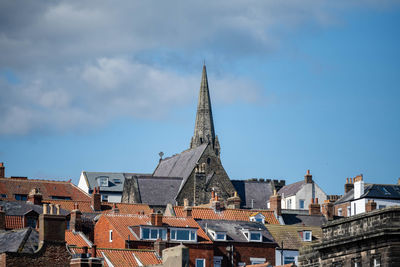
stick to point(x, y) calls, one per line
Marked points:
point(159, 191)
point(233, 230)
point(290, 235)
point(113, 186)
point(180, 165)
point(291, 189)
point(301, 219)
point(21, 240)
point(122, 223)
point(226, 214)
point(48, 188)
point(19, 208)
point(254, 194)
point(382, 191)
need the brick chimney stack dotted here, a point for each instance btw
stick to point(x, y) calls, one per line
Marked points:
point(328, 210)
point(96, 199)
point(314, 208)
point(234, 202)
point(93, 251)
point(52, 225)
point(216, 204)
point(308, 178)
point(35, 197)
point(159, 246)
point(115, 209)
point(348, 185)
point(75, 223)
point(370, 205)
point(275, 203)
point(2, 170)
point(156, 219)
point(187, 210)
point(2, 218)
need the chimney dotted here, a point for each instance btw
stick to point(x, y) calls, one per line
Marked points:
point(328, 210)
point(234, 202)
point(370, 205)
point(187, 210)
point(398, 181)
point(51, 226)
point(308, 177)
point(216, 204)
point(159, 246)
point(314, 208)
point(275, 203)
point(2, 170)
point(2, 219)
point(75, 222)
point(358, 186)
point(115, 209)
point(35, 197)
point(94, 251)
point(348, 185)
point(156, 219)
point(96, 199)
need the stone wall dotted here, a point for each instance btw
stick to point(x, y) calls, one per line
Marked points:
point(364, 238)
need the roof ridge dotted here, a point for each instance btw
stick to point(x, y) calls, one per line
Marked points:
point(35, 180)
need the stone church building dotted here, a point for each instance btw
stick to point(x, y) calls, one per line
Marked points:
point(199, 167)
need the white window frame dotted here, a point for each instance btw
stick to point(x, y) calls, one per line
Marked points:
point(248, 233)
point(217, 261)
point(110, 236)
point(348, 211)
point(377, 262)
point(305, 234)
point(203, 260)
point(304, 203)
point(104, 198)
point(340, 212)
point(102, 181)
point(191, 231)
point(153, 228)
point(257, 260)
point(258, 216)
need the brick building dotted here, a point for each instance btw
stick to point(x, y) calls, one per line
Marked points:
point(367, 239)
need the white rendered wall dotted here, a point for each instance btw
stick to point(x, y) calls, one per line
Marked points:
point(114, 198)
point(309, 191)
point(83, 184)
point(360, 204)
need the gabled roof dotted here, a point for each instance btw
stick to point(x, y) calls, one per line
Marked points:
point(48, 188)
point(159, 191)
point(233, 229)
point(180, 165)
point(123, 222)
point(19, 208)
point(226, 214)
point(113, 186)
point(77, 239)
point(381, 191)
point(291, 189)
point(289, 235)
point(254, 194)
point(21, 240)
point(302, 219)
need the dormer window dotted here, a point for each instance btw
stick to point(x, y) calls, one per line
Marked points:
point(258, 217)
point(252, 236)
point(153, 233)
point(117, 181)
point(217, 235)
point(179, 234)
point(102, 181)
point(307, 236)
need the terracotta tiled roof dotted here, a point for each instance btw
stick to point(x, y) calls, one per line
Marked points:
point(122, 222)
point(76, 239)
point(227, 214)
point(14, 222)
point(86, 206)
point(48, 188)
point(128, 257)
point(290, 235)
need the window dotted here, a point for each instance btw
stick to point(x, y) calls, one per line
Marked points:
point(104, 197)
point(110, 236)
point(220, 236)
point(200, 262)
point(4, 195)
point(31, 222)
point(356, 262)
point(289, 204)
point(377, 262)
point(258, 218)
point(301, 203)
point(102, 180)
point(348, 211)
point(217, 261)
point(257, 260)
point(60, 198)
point(288, 260)
point(153, 233)
point(340, 212)
point(117, 181)
point(21, 197)
point(382, 206)
point(184, 234)
point(255, 236)
point(307, 235)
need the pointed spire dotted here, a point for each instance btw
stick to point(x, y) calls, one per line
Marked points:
point(204, 127)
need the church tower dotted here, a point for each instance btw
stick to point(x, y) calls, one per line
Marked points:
point(204, 128)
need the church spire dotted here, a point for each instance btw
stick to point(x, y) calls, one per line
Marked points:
point(204, 128)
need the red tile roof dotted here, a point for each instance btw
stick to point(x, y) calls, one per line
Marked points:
point(124, 257)
point(121, 222)
point(227, 214)
point(48, 188)
point(14, 222)
point(75, 239)
point(86, 206)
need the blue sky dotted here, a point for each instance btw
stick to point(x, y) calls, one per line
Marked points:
point(95, 87)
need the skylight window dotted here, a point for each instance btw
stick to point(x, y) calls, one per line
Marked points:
point(102, 181)
point(117, 181)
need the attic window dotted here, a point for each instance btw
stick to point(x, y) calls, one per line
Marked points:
point(117, 181)
point(153, 233)
point(258, 218)
point(252, 235)
point(218, 236)
point(184, 234)
point(307, 236)
point(102, 181)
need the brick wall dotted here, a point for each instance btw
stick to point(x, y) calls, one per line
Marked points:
point(344, 209)
point(102, 238)
point(244, 251)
